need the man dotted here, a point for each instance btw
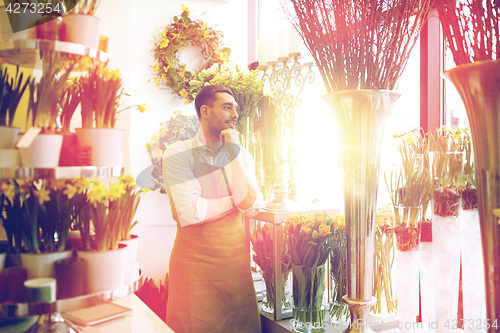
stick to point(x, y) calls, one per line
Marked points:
point(211, 183)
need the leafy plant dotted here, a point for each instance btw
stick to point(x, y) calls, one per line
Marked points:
point(178, 128)
point(154, 297)
point(85, 7)
point(100, 93)
point(69, 102)
point(46, 94)
point(245, 85)
point(11, 92)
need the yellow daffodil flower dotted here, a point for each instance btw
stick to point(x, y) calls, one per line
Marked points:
point(205, 34)
point(126, 179)
point(181, 74)
point(185, 9)
point(165, 144)
point(157, 83)
point(116, 190)
point(177, 112)
point(42, 195)
point(155, 67)
point(163, 131)
point(188, 101)
point(174, 35)
point(82, 184)
point(142, 107)
point(183, 93)
point(164, 77)
point(70, 191)
point(205, 25)
point(97, 194)
point(410, 139)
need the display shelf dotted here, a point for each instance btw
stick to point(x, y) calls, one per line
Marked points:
point(21, 310)
point(61, 172)
point(28, 52)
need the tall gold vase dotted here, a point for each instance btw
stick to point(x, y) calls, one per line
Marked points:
point(479, 86)
point(360, 116)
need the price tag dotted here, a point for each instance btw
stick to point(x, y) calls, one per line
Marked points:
point(28, 137)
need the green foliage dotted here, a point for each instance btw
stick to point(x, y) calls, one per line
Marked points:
point(179, 127)
point(11, 91)
point(155, 298)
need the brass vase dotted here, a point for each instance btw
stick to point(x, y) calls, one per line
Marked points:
point(479, 86)
point(360, 116)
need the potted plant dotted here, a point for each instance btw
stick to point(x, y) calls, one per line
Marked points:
point(80, 24)
point(100, 93)
point(37, 216)
point(11, 91)
point(45, 149)
point(104, 210)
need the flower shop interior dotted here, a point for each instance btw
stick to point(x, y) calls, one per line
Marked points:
point(373, 126)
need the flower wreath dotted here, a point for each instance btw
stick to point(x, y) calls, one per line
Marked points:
point(184, 31)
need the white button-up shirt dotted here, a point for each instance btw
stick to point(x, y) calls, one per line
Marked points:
point(184, 187)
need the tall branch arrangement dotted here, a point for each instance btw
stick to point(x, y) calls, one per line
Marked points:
point(471, 29)
point(362, 44)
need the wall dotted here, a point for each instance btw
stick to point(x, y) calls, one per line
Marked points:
point(130, 25)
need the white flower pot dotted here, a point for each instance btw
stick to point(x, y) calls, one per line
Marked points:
point(42, 264)
point(8, 137)
point(132, 246)
point(82, 29)
point(106, 144)
point(44, 152)
point(105, 269)
point(9, 158)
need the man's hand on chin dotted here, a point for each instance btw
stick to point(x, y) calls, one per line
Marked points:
point(232, 139)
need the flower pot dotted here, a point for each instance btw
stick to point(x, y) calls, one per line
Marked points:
point(106, 144)
point(308, 285)
point(360, 116)
point(50, 28)
point(72, 154)
point(105, 269)
point(132, 246)
point(42, 264)
point(82, 29)
point(478, 86)
point(8, 136)
point(9, 158)
point(70, 276)
point(44, 151)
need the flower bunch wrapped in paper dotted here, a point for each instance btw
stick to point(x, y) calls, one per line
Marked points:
point(262, 241)
point(339, 311)
point(310, 239)
point(383, 262)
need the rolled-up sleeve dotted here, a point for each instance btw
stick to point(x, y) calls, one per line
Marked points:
point(259, 205)
point(183, 186)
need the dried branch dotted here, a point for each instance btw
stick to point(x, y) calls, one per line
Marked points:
point(471, 29)
point(358, 44)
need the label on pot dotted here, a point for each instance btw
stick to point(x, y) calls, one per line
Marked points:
point(28, 137)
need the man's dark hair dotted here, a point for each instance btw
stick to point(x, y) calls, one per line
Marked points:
point(206, 96)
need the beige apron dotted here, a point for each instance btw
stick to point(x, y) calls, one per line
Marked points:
point(210, 283)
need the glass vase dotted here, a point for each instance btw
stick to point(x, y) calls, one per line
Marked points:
point(360, 116)
point(407, 229)
point(308, 289)
point(478, 86)
point(268, 295)
point(339, 311)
